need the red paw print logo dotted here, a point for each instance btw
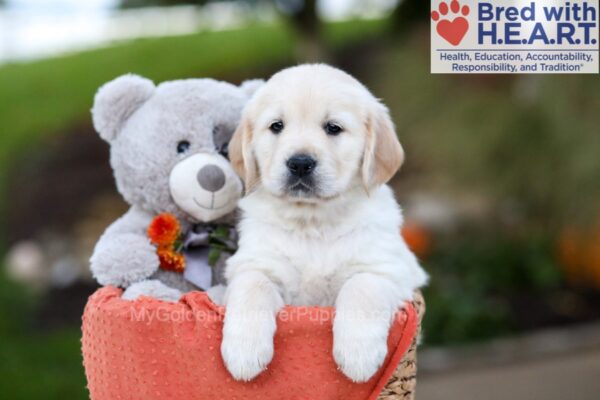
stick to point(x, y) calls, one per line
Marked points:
point(452, 30)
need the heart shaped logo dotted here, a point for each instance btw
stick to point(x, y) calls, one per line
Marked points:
point(155, 350)
point(454, 31)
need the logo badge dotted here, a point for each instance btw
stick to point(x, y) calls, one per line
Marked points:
point(514, 37)
point(451, 23)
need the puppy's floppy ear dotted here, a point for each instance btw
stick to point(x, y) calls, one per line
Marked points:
point(241, 155)
point(383, 153)
point(116, 101)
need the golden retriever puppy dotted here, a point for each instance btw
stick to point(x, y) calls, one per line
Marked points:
point(319, 226)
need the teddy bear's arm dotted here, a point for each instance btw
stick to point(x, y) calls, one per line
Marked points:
point(124, 254)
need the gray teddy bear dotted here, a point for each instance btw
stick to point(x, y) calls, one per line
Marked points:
point(168, 151)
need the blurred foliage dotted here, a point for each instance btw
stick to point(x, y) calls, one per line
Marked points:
point(60, 91)
point(475, 275)
point(526, 147)
point(46, 97)
point(149, 3)
point(529, 145)
point(35, 364)
point(410, 12)
point(302, 15)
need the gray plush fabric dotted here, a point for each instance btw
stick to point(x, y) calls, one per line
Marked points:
point(124, 254)
point(117, 100)
point(143, 125)
point(217, 293)
point(152, 288)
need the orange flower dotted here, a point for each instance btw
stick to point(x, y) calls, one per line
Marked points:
point(164, 230)
point(417, 238)
point(171, 260)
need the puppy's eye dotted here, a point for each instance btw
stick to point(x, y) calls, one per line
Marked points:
point(183, 146)
point(276, 127)
point(331, 128)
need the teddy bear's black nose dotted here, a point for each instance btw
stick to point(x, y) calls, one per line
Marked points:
point(211, 178)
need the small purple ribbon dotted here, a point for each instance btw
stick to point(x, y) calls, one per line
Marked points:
point(196, 246)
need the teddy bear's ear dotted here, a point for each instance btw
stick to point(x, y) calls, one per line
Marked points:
point(251, 86)
point(116, 101)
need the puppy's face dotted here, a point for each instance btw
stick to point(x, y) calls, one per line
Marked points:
point(308, 139)
point(311, 133)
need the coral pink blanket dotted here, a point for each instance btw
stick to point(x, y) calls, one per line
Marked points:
point(152, 350)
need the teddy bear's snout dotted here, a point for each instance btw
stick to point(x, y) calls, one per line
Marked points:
point(211, 178)
point(205, 186)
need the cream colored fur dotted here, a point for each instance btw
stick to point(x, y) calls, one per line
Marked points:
point(336, 245)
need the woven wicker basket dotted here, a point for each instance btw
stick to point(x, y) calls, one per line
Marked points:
point(404, 381)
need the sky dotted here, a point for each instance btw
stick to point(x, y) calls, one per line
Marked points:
point(36, 28)
point(61, 5)
point(32, 29)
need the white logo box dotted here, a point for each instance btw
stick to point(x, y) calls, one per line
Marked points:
point(513, 36)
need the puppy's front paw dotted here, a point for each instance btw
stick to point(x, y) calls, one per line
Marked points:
point(358, 354)
point(247, 348)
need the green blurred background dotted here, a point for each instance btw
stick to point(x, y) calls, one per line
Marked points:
point(501, 187)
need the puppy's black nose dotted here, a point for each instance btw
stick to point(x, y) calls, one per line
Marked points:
point(301, 165)
point(211, 178)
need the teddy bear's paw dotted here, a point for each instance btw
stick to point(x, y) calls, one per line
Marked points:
point(152, 288)
point(359, 353)
point(247, 347)
point(123, 260)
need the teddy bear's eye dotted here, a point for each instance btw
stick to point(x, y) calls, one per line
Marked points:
point(224, 150)
point(183, 146)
